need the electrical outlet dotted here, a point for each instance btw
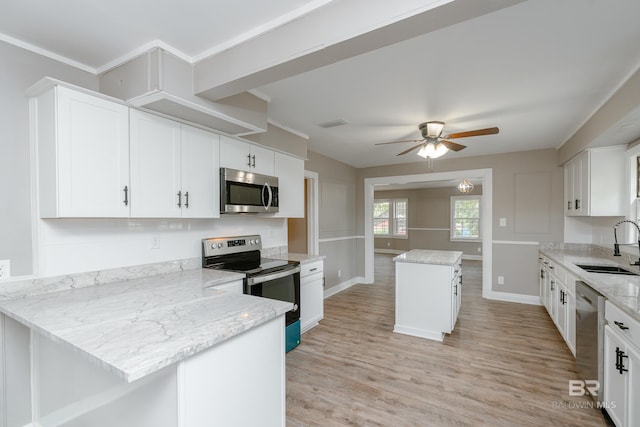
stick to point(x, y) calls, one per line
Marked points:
point(339, 273)
point(5, 269)
point(479, 249)
point(503, 222)
point(500, 280)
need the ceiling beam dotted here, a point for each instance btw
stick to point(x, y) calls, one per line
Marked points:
point(337, 31)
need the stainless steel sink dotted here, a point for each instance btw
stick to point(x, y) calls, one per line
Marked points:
point(608, 269)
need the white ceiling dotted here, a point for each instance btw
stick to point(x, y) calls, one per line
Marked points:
point(537, 70)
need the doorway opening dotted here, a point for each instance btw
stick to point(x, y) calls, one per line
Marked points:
point(485, 175)
point(302, 234)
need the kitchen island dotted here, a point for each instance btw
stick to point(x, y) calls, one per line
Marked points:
point(161, 350)
point(428, 292)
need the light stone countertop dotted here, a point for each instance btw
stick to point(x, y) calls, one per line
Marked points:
point(621, 290)
point(301, 258)
point(424, 256)
point(136, 327)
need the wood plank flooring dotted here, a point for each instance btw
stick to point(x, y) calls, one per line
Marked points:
point(505, 364)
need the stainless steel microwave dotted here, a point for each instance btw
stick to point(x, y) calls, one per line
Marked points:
point(247, 192)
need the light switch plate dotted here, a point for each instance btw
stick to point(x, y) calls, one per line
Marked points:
point(5, 269)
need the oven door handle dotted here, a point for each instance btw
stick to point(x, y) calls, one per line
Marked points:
point(273, 276)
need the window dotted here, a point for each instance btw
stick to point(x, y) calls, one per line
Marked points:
point(465, 218)
point(390, 217)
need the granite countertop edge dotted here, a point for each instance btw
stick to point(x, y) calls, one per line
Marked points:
point(133, 328)
point(425, 256)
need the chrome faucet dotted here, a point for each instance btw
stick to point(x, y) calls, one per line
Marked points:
point(616, 246)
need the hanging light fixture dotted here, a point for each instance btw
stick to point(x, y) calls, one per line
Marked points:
point(430, 150)
point(465, 186)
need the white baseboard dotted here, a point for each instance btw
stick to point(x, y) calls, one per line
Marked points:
point(472, 257)
point(342, 286)
point(511, 297)
point(417, 332)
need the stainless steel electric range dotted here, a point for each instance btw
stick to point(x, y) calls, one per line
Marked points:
point(265, 277)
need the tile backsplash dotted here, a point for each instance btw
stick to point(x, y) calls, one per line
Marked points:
point(77, 245)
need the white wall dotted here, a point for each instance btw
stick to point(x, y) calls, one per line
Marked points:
point(19, 69)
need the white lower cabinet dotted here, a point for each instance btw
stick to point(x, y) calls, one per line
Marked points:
point(428, 298)
point(173, 169)
point(311, 294)
point(621, 367)
point(558, 295)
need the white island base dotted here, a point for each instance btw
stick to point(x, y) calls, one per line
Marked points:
point(240, 381)
point(428, 293)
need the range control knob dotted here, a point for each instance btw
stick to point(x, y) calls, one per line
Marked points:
point(219, 245)
point(252, 242)
point(213, 246)
point(257, 241)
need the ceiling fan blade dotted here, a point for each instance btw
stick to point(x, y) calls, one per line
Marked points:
point(453, 146)
point(410, 149)
point(395, 142)
point(479, 132)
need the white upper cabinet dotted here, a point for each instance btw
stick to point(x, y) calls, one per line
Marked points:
point(155, 166)
point(595, 183)
point(83, 154)
point(290, 173)
point(200, 176)
point(173, 169)
point(240, 155)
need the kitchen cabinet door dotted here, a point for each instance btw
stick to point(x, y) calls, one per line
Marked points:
point(311, 294)
point(615, 382)
point(290, 173)
point(83, 153)
point(570, 331)
point(155, 166)
point(200, 176)
point(243, 156)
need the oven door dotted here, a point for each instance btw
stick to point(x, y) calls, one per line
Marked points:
point(247, 192)
point(282, 285)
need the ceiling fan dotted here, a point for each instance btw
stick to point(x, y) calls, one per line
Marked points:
point(433, 144)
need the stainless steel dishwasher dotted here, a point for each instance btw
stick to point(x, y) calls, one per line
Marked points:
point(590, 335)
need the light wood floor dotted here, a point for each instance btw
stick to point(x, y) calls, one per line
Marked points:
point(505, 364)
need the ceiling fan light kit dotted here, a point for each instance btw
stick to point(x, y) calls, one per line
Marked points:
point(433, 144)
point(432, 151)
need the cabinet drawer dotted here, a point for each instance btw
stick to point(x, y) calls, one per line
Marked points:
point(623, 323)
point(311, 268)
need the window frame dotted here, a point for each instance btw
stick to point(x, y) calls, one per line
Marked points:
point(452, 223)
point(393, 217)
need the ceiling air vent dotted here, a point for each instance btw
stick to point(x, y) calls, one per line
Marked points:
point(333, 123)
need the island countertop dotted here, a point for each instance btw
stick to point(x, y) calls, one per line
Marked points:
point(136, 327)
point(425, 256)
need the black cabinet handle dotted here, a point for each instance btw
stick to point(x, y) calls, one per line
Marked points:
point(620, 362)
point(179, 199)
point(569, 205)
point(186, 200)
point(313, 269)
point(254, 160)
point(249, 160)
point(577, 204)
point(620, 325)
point(126, 195)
